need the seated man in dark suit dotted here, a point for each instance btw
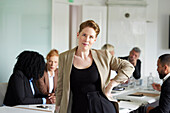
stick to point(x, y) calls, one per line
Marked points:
point(163, 68)
point(133, 58)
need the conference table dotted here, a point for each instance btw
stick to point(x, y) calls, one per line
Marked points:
point(35, 108)
point(132, 99)
point(129, 100)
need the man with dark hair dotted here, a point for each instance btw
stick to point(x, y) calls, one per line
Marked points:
point(133, 58)
point(163, 68)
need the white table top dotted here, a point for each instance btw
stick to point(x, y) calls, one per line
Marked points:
point(124, 106)
point(130, 103)
point(50, 108)
point(6, 109)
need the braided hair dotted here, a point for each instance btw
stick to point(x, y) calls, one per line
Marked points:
point(31, 63)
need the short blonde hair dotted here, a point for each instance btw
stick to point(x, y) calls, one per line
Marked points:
point(108, 47)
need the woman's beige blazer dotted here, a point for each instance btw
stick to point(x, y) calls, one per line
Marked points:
point(105, 62)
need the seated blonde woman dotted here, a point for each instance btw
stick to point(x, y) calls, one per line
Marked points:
point(109, 47)
point(48, 83)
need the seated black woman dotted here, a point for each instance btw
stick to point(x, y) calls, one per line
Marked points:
point(22, 88)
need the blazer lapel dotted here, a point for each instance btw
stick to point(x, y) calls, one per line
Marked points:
point(68, 63)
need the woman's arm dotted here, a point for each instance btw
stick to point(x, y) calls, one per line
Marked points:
point(109, 87)
point(124, 70)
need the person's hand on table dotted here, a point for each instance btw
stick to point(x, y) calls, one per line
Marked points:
point(51, 99)
point(51, 94)
point(48, 101)
point(156, 86)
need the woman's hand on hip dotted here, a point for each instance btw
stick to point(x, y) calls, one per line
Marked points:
point(57, 108)
point(109, 87)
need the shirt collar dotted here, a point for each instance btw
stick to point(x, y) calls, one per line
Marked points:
point(166, 77)
point(31, 79)
point(50, 74)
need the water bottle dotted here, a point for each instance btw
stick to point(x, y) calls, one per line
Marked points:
point(131, 82)
point(150, 81)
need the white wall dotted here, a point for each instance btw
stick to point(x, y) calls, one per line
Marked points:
point(125, 33)
point(157, 41)
point(24, 25)
point(163, 26)
point(150, 23)
point(99, 15)
point(151, 38)
point(82, 2)
point(15, 30)
point(68, 16)
point(156, 37)
point(75, 20)
point(60, 26)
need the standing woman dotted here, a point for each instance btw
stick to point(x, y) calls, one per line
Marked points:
point(48, 83)
point(84, 84)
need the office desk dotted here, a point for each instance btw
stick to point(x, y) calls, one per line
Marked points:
point(130, 103)
point(47, 108)
point(126, 105)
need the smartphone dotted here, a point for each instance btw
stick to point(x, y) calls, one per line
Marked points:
point(41, 106)
point(119, 88)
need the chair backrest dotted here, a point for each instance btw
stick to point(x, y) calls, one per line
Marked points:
point(3, 88)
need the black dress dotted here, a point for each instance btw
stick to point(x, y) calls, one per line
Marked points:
point(87, 94)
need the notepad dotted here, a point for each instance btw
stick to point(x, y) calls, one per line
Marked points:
point(129, 105)
point(140, 94)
